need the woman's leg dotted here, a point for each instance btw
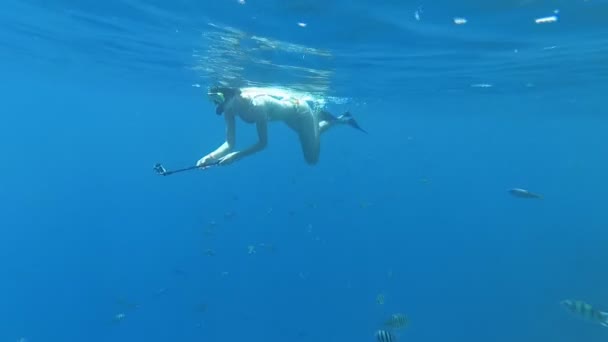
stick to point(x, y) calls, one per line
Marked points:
point(327, 120)
point(309, 133)
point(309, 127)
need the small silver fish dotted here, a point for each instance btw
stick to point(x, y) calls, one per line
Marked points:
point(522, 193)
point(586, 311)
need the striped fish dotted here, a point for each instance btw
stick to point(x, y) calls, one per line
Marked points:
point(385, 336)
point(586, 311)
point(396, 321)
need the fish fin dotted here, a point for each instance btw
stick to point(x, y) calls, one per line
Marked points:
point(348, 118)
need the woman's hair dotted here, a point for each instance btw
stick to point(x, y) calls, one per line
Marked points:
point(226, 91)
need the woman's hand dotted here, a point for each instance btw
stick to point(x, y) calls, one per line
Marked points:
point(206, 160)
point(229, 158)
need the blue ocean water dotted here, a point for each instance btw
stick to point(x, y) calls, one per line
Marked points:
point(95, 93)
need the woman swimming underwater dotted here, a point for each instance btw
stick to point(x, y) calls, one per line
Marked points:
point(260, 106)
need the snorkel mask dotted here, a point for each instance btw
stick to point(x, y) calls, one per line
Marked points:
point(220, 95)
point(218, 99)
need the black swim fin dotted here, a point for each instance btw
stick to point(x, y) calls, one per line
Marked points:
point(348, 118)
point(327, 116)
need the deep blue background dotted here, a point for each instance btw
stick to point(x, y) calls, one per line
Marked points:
point(88, 107)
